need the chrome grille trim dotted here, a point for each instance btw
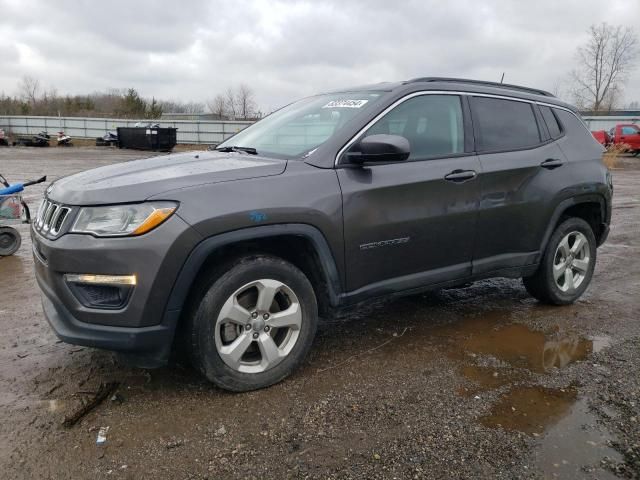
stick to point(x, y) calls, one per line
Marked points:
point(58, 221)
point(51, 218)
point(50, 214)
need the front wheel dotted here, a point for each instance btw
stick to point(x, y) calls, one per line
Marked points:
point(567, 264)
point(254, 324)
point(10, 241)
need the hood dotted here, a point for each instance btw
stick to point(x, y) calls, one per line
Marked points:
point(138, 180)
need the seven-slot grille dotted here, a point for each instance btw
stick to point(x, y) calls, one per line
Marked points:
point(51, 217)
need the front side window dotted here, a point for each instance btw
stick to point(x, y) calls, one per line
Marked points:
point(629, 131)
point(504, 124)
point(304, 125)
point(433, 124)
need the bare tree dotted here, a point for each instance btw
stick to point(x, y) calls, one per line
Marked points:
point(29, 89)
point(218, 106)
point(193, 107)
point(230, 103)
point(245, 102)
point(603, 65)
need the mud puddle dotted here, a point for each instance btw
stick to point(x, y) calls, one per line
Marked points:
point(574, 446)
point(511, 356)
point(491, 338)
point(530, 409)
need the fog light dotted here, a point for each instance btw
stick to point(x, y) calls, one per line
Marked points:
point(101, 291)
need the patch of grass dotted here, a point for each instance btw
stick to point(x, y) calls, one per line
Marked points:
point(610, 157)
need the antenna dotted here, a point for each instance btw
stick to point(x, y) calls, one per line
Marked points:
point(502, 79)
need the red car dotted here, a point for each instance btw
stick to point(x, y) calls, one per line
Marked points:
point(602, 136)
point(628, 134)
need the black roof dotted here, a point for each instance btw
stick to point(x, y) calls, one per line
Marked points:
point(484, 83)
point(471, 86)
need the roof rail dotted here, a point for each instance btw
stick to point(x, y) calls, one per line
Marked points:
point(482, 82)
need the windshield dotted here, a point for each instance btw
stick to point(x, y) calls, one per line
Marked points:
point(302, 126)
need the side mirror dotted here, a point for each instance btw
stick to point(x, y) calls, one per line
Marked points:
point(380, 149)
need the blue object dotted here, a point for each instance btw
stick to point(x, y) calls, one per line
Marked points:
point(258, 216)
point(15, 188)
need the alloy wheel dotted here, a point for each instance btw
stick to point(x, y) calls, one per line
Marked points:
point(571, 262)
point(258, 326)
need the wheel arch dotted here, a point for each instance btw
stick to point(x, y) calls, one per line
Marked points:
point(316, 261)
point(590, 207)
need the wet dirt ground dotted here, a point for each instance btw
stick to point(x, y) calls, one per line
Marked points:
point(474, 382)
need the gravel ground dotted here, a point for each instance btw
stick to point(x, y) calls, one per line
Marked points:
point(473, 382)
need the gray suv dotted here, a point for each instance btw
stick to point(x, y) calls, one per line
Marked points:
point(335, 199)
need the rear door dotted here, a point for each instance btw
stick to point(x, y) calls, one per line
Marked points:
point(522, 170)
point(412, 223)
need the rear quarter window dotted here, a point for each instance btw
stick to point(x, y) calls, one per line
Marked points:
point(504, 124)
point(574, 127)
point(552, 122)
point(578, 142)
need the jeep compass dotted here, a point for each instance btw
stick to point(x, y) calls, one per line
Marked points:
point(335, 199)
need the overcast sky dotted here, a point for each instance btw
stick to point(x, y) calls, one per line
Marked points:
point(191, 50)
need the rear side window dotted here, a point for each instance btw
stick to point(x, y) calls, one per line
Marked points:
point(552, 122)
point(504, 124)
point(433, 124)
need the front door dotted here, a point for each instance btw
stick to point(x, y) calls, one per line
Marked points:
point(412, 223)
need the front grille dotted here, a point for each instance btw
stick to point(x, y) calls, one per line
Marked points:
point(51, 217)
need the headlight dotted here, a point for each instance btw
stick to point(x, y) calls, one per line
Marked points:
point(121, 220)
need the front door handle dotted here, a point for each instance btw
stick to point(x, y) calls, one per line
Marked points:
point(551, 163)
point(459, 176)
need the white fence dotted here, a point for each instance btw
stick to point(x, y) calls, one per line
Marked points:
point(189, 131)
point(598, 122)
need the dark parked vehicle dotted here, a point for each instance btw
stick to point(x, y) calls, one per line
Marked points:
point(151, 137)
point(39, 140)
point(334, 200)
point(109, 139)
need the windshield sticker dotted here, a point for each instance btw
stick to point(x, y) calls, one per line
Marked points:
point(345, 104)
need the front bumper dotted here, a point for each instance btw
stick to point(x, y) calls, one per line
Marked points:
point(141, 328)
point(151, 346)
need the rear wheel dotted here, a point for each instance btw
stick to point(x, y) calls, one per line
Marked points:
point(567, 264)
point(10, 241)
point(254, 324)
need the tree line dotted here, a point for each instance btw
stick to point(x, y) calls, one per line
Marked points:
point(32, 99)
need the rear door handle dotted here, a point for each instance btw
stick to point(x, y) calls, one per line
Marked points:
point(459, 176)
point(551, 163)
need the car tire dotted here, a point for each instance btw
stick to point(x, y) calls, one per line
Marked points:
point(10, 241)
point(254, 324)
point(567, 264)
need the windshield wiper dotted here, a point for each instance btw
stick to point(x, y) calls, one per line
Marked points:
point(249, 150)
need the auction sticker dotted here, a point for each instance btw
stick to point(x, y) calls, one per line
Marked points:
point(345, 104)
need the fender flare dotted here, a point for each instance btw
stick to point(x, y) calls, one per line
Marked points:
point(564, 205)
point(206, 247)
